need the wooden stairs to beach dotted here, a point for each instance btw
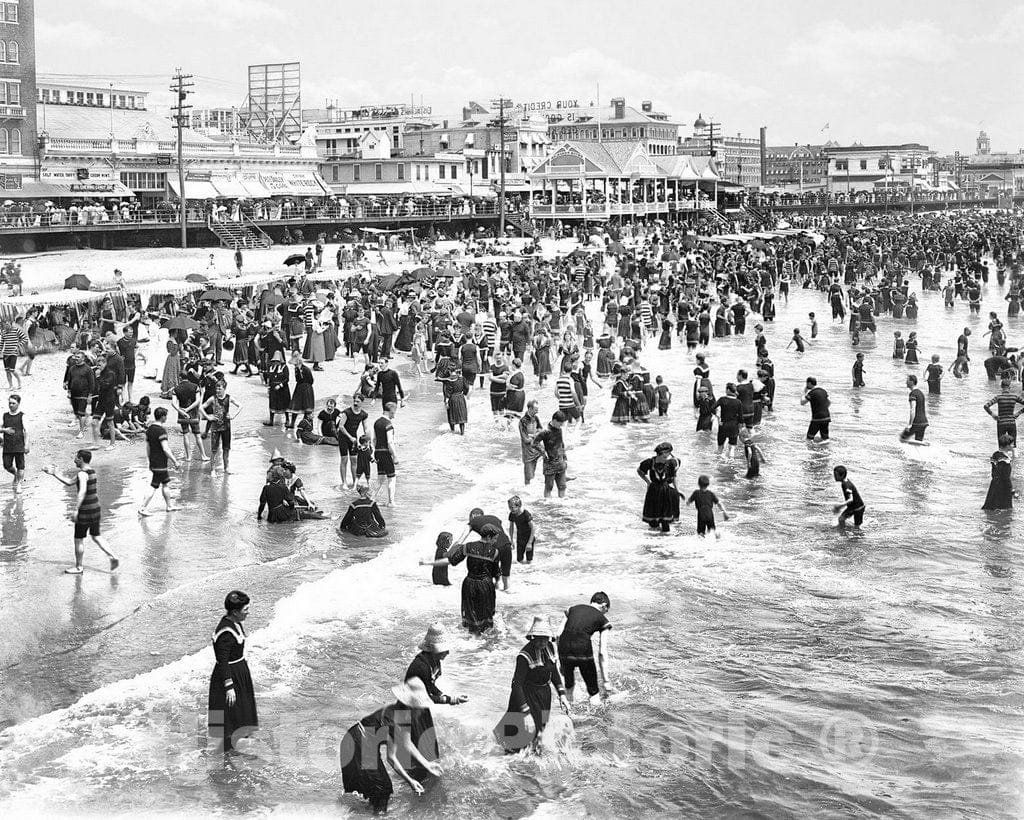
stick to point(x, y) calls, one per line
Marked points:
point(756, 213)
point(244, 234)
point(520, 223)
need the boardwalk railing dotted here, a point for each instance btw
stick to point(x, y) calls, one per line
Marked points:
point(25, 217)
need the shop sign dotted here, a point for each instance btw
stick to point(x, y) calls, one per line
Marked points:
point(546, 105)
point(91, 187)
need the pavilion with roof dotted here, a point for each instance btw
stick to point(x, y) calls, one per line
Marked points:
point(600, 180)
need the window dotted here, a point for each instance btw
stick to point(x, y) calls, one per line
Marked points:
point(144, 180)
point(14, 93)
point(401, 170)
point(440, 171)
point(334, 173)
point(11, 12)
point(16, 141)
point(3, 52)
point(417, 172)
point(13, 52)
point(80, 97)
point(883, 164)
point(863, 164)
point(5, 141)
point(10, 182)
point(355, 173)
point(455, 171)
point(99, 100)
point(842, 165)
point(378, 171)
point(88, 98)
point(131, 102)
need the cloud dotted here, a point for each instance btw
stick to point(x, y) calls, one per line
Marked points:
point(219, 14)
point(837, 48)
point(55, 35)
point(1008, 29)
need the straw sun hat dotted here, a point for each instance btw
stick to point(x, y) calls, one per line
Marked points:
point(540, 628)
point(413, 694)
point(436, 640)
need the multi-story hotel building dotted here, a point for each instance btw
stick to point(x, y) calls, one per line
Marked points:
point(17, 93)
point(737, 158)
point(617, 122)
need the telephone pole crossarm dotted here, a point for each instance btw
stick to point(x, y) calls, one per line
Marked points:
point(182, 87)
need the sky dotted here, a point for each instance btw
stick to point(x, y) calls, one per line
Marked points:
point(875, 72)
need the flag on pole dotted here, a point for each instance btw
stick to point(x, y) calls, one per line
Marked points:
point(825, 127)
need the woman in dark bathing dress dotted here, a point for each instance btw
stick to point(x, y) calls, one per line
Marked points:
point(406, 727)
point(661, 503)
point(536, 672)
point(483, 571)
point(232, 701)
point(1000, 489)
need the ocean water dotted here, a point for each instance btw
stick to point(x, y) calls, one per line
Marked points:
point(787, 669)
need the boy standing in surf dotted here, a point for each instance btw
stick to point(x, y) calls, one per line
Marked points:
point(918, 416)
point(853, 505)
point(705, 501)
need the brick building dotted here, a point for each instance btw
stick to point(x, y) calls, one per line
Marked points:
point(18, 139)
point(797, 167)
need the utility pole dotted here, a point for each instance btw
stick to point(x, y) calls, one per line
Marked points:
point(958, 165)
point(501, 102)
point(913, 170)
point(181, 88)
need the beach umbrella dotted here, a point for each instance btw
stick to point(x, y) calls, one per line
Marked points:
point(688, 241)
point(670, 256)
point(447, 273)
point(77, 282)
point(759, 244)
point(273, 299)
point(295, 259)
point(197, 277)
point(182, 323)
point(616, 247)
point(216, 295)
point(419, 272)
point(388, 280)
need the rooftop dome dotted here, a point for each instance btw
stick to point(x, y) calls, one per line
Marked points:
point(699, 123)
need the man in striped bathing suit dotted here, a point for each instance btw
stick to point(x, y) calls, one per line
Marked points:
point(1008, 406)
point(87, 510)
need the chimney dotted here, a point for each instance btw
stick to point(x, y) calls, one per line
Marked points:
point(444, 123)
point(619, 104)
point(646, 107)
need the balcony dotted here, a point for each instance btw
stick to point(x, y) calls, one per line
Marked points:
point(145, 147)
point(601, 210)
point(12, 111)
